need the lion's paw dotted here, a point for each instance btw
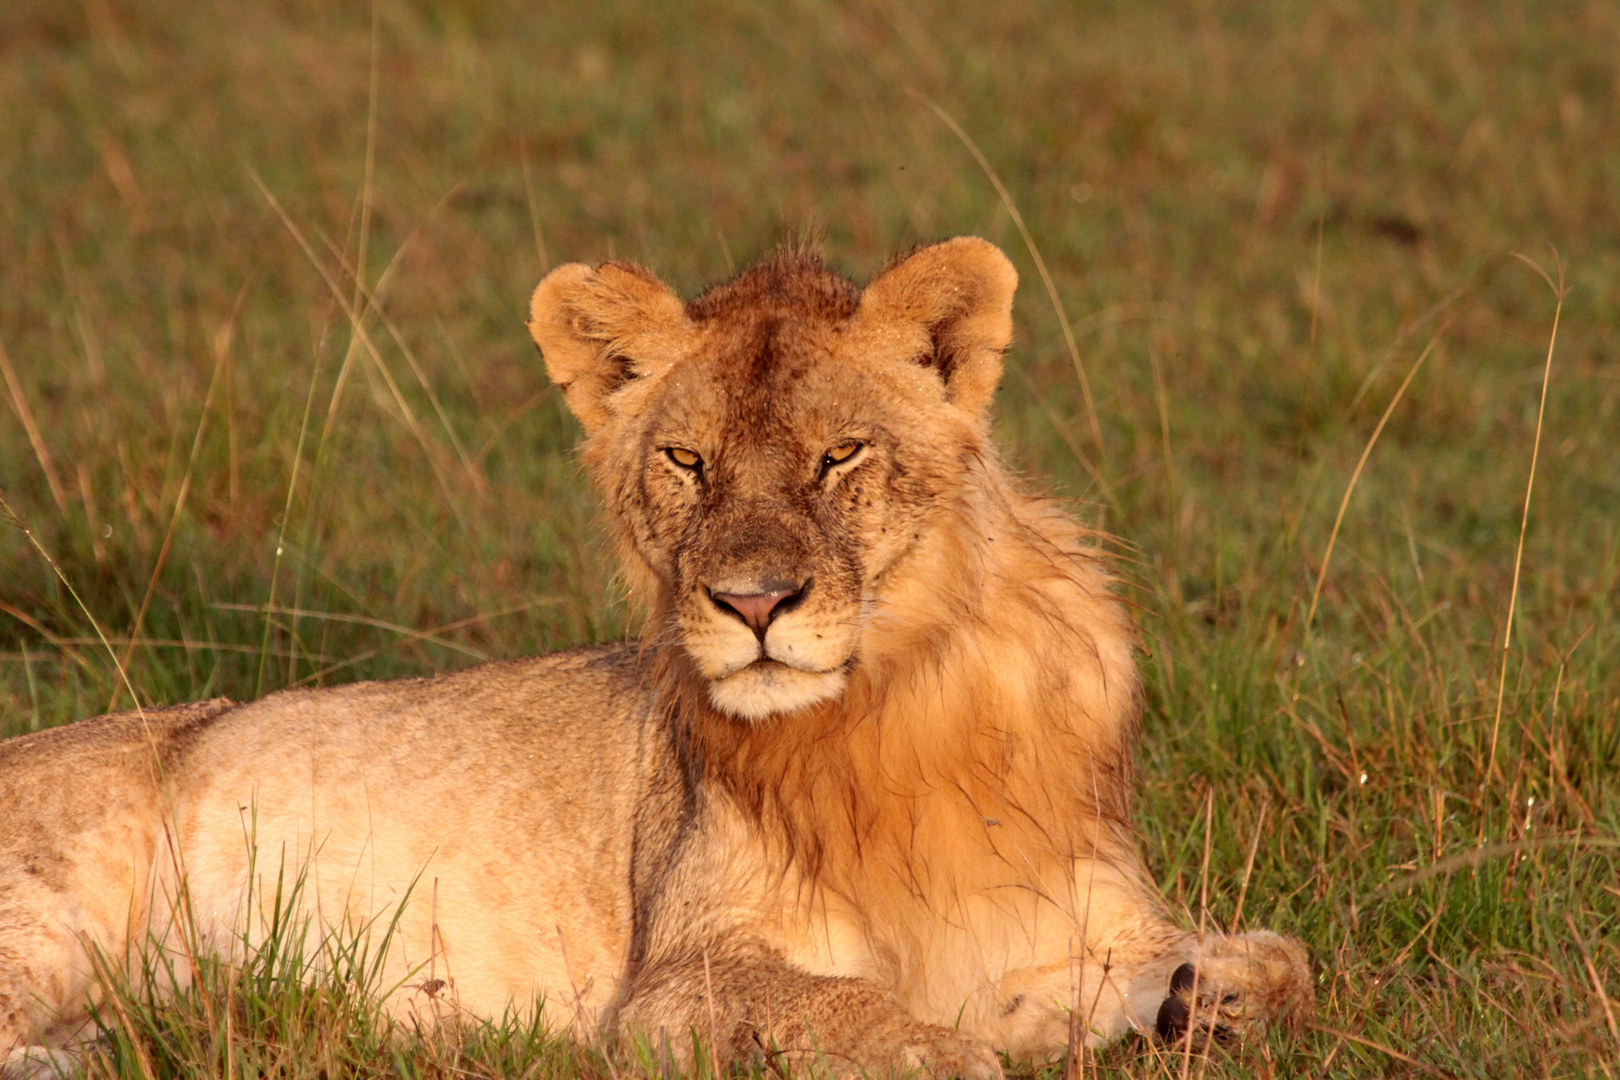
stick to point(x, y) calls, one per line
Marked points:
point(1238, 986)
point(943, 1054)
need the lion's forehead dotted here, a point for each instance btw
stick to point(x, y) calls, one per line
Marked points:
point(779, 382)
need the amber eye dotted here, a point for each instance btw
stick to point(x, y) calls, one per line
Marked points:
point(840, 454)
point(685, 458)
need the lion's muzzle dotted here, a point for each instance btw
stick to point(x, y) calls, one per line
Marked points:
point(767, 644)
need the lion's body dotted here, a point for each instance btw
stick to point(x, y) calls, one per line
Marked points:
point(863, 790)
point(499, 802)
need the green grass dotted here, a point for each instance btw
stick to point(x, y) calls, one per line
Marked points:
point(1256, 217)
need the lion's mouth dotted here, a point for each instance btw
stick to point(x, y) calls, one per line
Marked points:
point(768, 687)
point(766, 665)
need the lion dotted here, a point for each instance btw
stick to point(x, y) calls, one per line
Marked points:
point(857, 801)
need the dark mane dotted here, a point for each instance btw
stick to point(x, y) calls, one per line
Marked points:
point(792, 281)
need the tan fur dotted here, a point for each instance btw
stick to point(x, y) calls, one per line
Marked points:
point(882, 824)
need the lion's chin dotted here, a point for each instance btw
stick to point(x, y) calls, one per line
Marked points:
point(767, 688)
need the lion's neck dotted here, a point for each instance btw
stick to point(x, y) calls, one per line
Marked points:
point(989, 716)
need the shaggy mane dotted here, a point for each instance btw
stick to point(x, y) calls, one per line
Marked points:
point(970, 753)
point(794, 281)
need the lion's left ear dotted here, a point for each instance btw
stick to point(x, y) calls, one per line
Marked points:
point(600, 327)
point(958, 297)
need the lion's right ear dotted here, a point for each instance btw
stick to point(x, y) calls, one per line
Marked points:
point(599, 327)
point(953, 302)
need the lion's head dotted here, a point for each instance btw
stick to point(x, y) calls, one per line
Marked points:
point(773, 450)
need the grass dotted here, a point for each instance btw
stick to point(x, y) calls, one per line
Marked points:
point(1255, 216)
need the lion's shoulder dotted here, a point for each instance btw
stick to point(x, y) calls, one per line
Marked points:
point(592, 699)
point(114, 734)
point(574, 677)
point(116, 757)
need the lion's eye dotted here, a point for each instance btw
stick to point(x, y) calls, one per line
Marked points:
point(841, 453)
point(685, 458)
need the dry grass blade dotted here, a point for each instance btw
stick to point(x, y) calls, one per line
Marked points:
point(1350, 489)
point(281, 529)
point(105, 972)
point(1524, 521)
point(19, 404)
point(1597, 980)
point(367, 186)
point(414, 636)
point(1474, 856)
point(65, 644)
point(222, 347)
point(1380, 1047)
point(1316, 278)
point(708, 994)
point(1203, 917)
point(186, 644)
point(361, 620)
point(357, 323)
point(11, 516)
point(366, 299)
point(1035, 255)
point(369, 301)
point(534, 212)
point(1248, 868)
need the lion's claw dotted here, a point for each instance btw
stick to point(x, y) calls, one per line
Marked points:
point(1216, 1012)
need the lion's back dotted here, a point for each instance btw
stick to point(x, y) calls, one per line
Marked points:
point(557, 735)
point(581, 703)
point(499, 800)
point(118, 756)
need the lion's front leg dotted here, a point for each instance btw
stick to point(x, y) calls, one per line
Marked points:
point(749, 1005)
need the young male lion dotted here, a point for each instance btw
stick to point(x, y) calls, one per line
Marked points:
point(859, 799)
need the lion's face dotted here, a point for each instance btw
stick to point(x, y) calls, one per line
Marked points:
point(771, 489)
point(773, 450)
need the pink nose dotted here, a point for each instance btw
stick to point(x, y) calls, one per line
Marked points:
point(756, 609)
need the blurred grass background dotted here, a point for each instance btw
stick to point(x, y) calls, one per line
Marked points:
point(1256, 215)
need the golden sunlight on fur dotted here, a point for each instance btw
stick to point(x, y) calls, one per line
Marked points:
point(859, 799)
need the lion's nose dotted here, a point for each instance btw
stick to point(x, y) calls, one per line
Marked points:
point(757, 609)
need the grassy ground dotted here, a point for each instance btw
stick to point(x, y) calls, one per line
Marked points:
point(1257, 218)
